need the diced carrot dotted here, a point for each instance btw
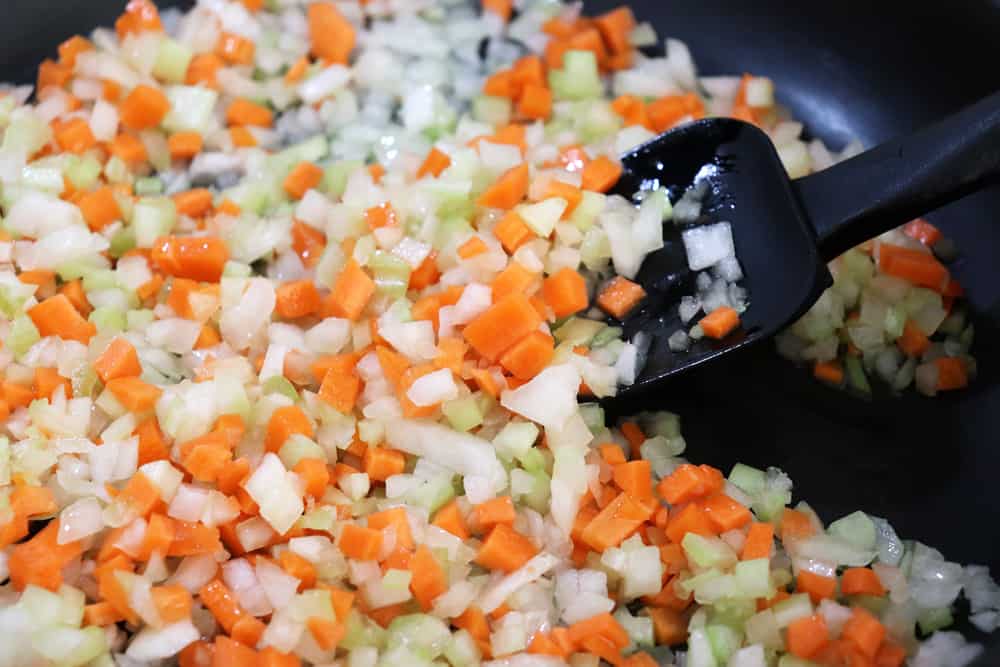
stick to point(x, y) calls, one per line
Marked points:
point(73, 290)
point(195, 257)
point(172, 602)
point(272, 657)
point(222, 603)
point(759, 542)
point(48, 381)
point(494, 511)
point(449, 518)
point(502, 8)
point(689, 482)
point(508, 190)
point(669, 625)
point(435, 162)
point(51, 73)
point(41, 559)
point(691, 519)
point(471, 248)
point(285, 422)
point(529, 356)
point(543, 644)
point(184, 145)
point(314, 474)
point(396, 519)
point(426, 274)
point(202, 70)
point(243, 112)
point(616, 28)
point(119, 359)
point(139, 16)
point(381, 463)
point(351, 292)
point(332, 37)
point(512, 232)
point(807, 636)
point(611, 454)
point(152, 446)
point(75, 136)
point(308, 242)
point(71, 48)
point(923, 231)
point(101, 614)
point(230, 653)
point(205, 461)
point(816, 585)
point(616, 522)
point(535, 102)
point(634, 435)
point(43, 278)
point(861, 581)
point(515, 279)
point(304, 177)
point(297, 298)
point(99, 208)
point(17, 395)
point(428, 577)
point(720, 322)
point(192, 539)
point(795, 525)
point(56, 316)
point(864, 631)
point(501, 84)
point(359, 542)
point(144, 108)
point(565, 292)
point(242, 137)
point(297, 71)
point(158, 537)
point(194, 203)
point(33, 501)
point(298, 567)
point(602, 625)
point(620, 297)
point(134, 394)
point(890, 654)
point(572, 194)
point(505, 549)
point(635, 478)
point(327, 633)
point(920, 268)
point(600, 174)
point(501, 325)
point(952, 373)
point(235, 49)
point(140, 494)
point(829, 371)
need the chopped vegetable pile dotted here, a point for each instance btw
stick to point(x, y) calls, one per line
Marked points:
point(302, 303)
point(894, 313)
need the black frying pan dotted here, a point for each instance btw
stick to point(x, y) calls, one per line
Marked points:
point(870, 70)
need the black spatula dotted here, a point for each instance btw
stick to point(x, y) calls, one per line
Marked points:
point(786, 230)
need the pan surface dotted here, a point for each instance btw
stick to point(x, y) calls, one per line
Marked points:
point(847, 69)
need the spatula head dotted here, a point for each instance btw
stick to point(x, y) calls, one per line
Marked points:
point(775, 243)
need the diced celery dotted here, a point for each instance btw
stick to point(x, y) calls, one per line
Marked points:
point(596, 120)
point(792, 608)
point(21, 335)
point(419, 631)
point(789, 660)
point(770, 502)
point(855, 528)
point(856, 376)
point(370, 431)
point(48, 178)
point(122, 242)
point(578, 331)
point(578, 79)
point(360, 631)
point(299, 447)
point(392, 274)
point(593, 416)
point(932, 620)
point(152, 218)
point(660, 452)
point(279, 384)
point(13, 294)
point(876, 604)
point(585, 214)
point(137, 320)
point(146, 187)
point(116, 170)
point(724, 640)
point(748, 479)
point(321, 518)
point(532, 488)
point(515, 439)
point(534, 460)
point(708, 552)
point(234, 269)
point(85, 381)
point(25, 134)
point(100, 279)
point(762, 628)
point(335, 177)
point(462, 413)
point(453, 226)
point(4, 461)
point(639, 629)
point(313, 149)
point(433, 493)
point(191, 108)
point(492, 110)
point(733, 611)
point(172, 61)
point(461, 649)
point(753, 577)
point(108, 320)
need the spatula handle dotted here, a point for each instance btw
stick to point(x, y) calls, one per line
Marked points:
point(903, 178)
